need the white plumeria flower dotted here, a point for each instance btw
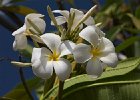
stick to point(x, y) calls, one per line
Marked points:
point(78, 16)
point(44, 60)
point(20, 34)
point(101, 52)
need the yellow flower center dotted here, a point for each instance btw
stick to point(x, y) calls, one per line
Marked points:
point(54, 57)
point(96, 52)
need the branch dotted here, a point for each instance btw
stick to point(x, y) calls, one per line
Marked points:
point(24, 81)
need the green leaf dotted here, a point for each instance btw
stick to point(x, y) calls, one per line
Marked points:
point(135, 20)
point(137, 12)
point(27, 52)
point(123, 68)
point(19, 9)
point(111, 34)
point(4, 98)
point(132, 30)
point(127, 43)
point(126, 87)
point(19, 93)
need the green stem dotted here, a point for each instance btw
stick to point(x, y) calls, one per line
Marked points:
point(24, 81)
point(49, 83)
point(60, 91)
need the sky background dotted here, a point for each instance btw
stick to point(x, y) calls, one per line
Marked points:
point(9, 75)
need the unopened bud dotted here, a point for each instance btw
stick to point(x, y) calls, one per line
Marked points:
point(20, 64)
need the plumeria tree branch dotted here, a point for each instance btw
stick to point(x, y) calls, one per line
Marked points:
point(24, 81)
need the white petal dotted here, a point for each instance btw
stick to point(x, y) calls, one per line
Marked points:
point(33, 15)
point(98, 31)
point(37, 21)
point(60, 20)
point(90, 21)
point(53, 41)
point(77, 12)
point(110, 59)
point(122, 56)
point(67, 47)
point(94, 68)
point(20, 42)
point(65, 13)
point(78, 16)
point(82, 53)
point(20, 30)
point(62, 69)
point(41, 67)
point(106, 45)
point(90, 35)
point(43, 72)
point(38, 54)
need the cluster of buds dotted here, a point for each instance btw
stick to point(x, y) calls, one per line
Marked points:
point(77, 37)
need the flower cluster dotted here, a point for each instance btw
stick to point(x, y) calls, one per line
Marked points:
point(54, 52)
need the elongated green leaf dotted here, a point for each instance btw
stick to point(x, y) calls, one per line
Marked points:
point(17, 94)
point(114, 31)
point(125, 87)
point(19, 90)
point(19, 9)
point(4, 98)
point(123, 68)
point(135, 20)
point(132, 30)
point(137, 12)
point(126, 43)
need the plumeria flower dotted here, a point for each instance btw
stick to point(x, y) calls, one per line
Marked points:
point(44, 60)
point(100, 53)
point(20, 34)
point(78, 16)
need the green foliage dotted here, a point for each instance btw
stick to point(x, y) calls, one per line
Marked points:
point(135, 20)
point(132, 30)
point(111, 34)
point(27, 52)
point(19, 93)
point(18, 9)
point(82, 82)
point(115, 89)
point(137, 12)
point(127, 43)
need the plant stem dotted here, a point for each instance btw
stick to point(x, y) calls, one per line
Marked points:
point(60, 91)
point(24, 81)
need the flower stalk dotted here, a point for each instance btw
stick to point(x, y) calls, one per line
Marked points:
point(60, 91)
point(24, 81)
